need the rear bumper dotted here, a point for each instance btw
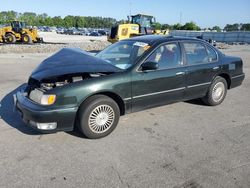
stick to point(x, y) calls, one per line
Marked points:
point(34, 113)
point(237, 80)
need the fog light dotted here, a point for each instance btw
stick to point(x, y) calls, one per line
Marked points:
point(47, 126)
point(32, 123)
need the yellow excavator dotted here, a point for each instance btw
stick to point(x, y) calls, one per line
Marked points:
point(139, 24)
point(18, 32)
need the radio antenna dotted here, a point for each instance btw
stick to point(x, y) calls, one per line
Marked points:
point(130, 6)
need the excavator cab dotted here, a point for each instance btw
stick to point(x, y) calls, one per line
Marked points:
point(145, 23)
point(17, 26)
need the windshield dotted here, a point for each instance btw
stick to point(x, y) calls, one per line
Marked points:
point(16, 24)
point(144, 21)
point(123, 54)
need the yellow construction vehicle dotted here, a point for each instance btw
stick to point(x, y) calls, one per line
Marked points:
point(139, 24)
point(18, 32)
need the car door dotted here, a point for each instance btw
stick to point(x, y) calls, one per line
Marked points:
point(202, 66)
point(161, 86)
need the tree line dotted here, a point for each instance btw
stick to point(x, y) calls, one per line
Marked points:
point(193, 26)
point(34, 19)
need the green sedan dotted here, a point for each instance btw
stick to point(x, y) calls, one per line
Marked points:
point(73, 88)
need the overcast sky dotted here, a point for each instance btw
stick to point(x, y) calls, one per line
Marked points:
point(206, 13)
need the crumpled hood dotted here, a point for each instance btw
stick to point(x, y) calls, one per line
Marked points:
point(71, 61)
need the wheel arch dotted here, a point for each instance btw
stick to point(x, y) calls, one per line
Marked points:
point(113, 96)
point(227, 78)
point(10, 32)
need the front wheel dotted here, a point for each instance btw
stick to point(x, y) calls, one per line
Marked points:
point(26, 39)
point(98, 116)
point(217, 92)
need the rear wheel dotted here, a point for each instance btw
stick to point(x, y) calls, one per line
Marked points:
point(10, 38)
point(26, 39)
point(217, 92)
point(98, 116)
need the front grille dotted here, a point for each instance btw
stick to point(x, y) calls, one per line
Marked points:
point(113, 32)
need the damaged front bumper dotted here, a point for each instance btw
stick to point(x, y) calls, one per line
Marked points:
point(46, 119)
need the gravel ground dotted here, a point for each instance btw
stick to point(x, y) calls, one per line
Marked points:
point(54, 42)
point(183, 145)
point(61, 38)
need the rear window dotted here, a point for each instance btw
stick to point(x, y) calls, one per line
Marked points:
point(212, 56)
point(196, 53)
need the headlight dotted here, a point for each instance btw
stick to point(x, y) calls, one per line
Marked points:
point(48, 99)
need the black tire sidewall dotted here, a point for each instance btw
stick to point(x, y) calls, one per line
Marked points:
point(10, 35)
point(208, 99)
point(29, 39)
point(87, 107)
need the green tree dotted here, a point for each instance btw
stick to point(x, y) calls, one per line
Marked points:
point(190, 26)
point(48, 21)
point(166, 26)
point(245, 27)
point(156, 25)
point(41, 19)
point(216, 28)
point(177, 26)
point(69, 21)
point(8, 16)
point(29, 17)
point(79, 21)
point(233, 27)
point(122, 21)
point(57, 21)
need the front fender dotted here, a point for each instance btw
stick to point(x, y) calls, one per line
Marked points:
point(75, 93)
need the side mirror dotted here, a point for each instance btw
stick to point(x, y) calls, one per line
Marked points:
point(149, 66)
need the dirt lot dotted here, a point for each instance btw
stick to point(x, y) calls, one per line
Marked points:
point(54, 42)
point(182, 145)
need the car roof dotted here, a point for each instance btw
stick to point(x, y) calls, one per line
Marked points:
point(151, 39)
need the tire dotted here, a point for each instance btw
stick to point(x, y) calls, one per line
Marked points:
point(26, 39)
point(98, 116)
point(10, 38)
point(216, 92)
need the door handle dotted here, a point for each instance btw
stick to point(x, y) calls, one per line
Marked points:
point(180, 73)
point(215, 68)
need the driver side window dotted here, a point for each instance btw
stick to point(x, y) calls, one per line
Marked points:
point(167, 56)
